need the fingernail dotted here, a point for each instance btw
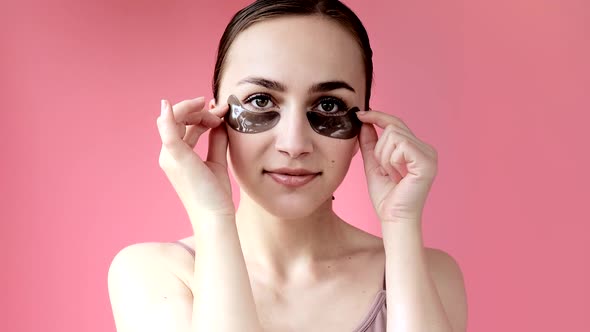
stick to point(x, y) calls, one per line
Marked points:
point(163, 106)
point(361, 112)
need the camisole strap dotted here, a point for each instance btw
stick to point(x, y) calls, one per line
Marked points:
point(189, 249)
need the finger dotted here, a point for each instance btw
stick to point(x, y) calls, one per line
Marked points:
point(183, 113)
point(202, 118)
point(193, 133)
point(390, 146)
point(220, 110)
point(200, 122)
point(218, 142)
point(381, 143)
point(401, 157)
point(409, 159)
point(168, 129)
point(185, 107)
point(367, 141)
point(382, 119)
point(427, 149)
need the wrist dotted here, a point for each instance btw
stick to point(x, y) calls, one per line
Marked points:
point(201, 221)
point(399, 217)
point(402, 234)
point(198, 215)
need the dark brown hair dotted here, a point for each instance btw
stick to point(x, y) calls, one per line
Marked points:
point(266, 9)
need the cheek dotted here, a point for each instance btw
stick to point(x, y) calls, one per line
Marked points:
point(244, 150)
point(236, 147)
point(339, 154)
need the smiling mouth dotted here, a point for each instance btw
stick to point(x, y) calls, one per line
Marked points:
point(292, 180)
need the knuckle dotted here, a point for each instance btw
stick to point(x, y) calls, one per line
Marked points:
point(403, 142)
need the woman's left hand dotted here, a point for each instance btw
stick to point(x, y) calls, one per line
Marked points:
point(400, 168)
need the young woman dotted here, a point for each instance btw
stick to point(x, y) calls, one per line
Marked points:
point(292, 86)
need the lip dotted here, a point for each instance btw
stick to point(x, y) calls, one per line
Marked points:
point(292, 177)
point(292, 171)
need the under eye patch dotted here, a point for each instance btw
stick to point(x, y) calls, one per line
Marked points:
point(342, 126)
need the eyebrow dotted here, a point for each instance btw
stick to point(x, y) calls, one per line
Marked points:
point(317, 87)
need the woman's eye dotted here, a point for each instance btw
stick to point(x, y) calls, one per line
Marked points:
point(327, 106)
point(331, 105)
point(259, 101)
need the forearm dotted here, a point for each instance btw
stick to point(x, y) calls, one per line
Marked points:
point(223, 299)
point(413, 304)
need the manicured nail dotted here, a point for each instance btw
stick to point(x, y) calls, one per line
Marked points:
point(163, 106)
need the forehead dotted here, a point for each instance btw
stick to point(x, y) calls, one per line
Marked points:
point(296, 50)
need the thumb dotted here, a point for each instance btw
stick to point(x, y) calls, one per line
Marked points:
point(218, 141)
point(367, 141)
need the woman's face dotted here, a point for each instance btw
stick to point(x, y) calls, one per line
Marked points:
point(292, 65)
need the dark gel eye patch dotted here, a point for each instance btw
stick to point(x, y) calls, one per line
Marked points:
point(343, 126)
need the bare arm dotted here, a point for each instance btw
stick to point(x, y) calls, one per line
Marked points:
point(400, 170)
point(416, 301)
point(147, 295)
point(223, 298)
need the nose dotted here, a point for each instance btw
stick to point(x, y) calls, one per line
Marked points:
point(293, 134)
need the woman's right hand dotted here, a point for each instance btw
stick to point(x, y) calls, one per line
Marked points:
point(203, 186)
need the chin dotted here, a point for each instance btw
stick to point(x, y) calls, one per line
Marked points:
point(291, 205)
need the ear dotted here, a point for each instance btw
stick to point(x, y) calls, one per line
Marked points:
point(212, 103)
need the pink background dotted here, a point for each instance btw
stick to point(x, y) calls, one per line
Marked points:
point(500, 88)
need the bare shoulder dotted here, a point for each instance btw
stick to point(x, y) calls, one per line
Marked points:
point(448, 278)
point(153, 256)
point(444, 267)
point(154, 250)
point(440, 258)
point(145, 280)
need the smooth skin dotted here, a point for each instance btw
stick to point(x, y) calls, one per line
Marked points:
point(283, 260)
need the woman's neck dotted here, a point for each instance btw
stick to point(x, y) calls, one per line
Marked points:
point(285, 247)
